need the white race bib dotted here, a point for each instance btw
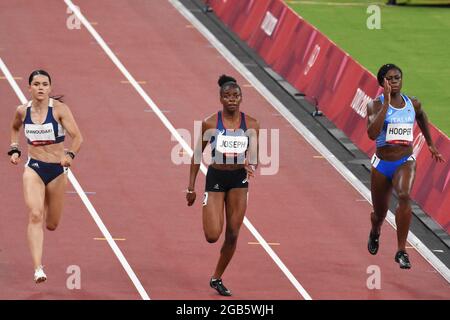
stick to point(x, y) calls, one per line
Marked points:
point(231, 144)
point(39, 134)
point(399, 132)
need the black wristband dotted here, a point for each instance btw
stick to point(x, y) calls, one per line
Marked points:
point(14, 150)
point(71, 154)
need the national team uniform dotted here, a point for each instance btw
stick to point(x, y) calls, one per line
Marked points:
point(49, 132)
point(397, 130)
point(228, 146)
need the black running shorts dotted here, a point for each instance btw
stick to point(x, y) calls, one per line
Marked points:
point(224, 180)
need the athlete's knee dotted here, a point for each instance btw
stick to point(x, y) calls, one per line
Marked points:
point(231, 236)
point(212, 237)
point(52, 226)
point(404, 198)
point(36, 216)
point(379, 215)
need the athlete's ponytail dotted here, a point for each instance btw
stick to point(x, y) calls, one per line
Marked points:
point(58, 97)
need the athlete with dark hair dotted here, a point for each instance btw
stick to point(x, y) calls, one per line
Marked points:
point(45, 121)
point(233, 136)
point(391, 119)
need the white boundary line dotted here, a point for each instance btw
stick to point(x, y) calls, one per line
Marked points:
point(86, 201)
point(185, 146)
point(308, 135)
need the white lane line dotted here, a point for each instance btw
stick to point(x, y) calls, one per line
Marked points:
point(308, 135)
point(183, 143)
point(86, 201)
point(86, 192)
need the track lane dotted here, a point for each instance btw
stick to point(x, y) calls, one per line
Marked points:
point(347, 266)
point(154, 221)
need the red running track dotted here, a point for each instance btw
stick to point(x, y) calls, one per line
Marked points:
point(307, 207)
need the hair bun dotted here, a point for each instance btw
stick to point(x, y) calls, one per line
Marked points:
point(224, 79)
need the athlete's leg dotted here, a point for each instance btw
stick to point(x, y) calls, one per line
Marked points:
point(34, 193)
point(381, 190)
point(54, 198)
point(213, 205)
point(236, 205)
point(403, 182)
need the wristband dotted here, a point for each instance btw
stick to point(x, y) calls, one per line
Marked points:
point(14, 150)
point(70, 154)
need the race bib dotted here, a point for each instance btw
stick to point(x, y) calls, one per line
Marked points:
point(399, 133)
point(40, 134)
point(231, 144)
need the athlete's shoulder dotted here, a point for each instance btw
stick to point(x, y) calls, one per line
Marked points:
point(59, 105)
point(60, 109)
point(210, 121)
point(21, 109)
point(251, 122)
point(415, 101)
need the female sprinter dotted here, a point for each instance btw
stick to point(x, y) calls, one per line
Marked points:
point(390, 122)
point(234, 143)
point(45, 121)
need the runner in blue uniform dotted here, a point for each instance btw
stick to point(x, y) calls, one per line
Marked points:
point(391, 119)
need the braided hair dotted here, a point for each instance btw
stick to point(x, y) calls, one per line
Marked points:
point(384, 70)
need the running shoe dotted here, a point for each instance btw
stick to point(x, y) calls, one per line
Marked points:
point(402, 258)
point(373, 243)
point(39, 274)
point(218, 285)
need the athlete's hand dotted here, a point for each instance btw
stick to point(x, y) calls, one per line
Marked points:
point(190, 197)
point(387, 92)
point(435, 154)
point(15, 159)
point(250, 168)
point(66, 161)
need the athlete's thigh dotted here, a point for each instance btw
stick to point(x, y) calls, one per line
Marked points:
point(213, 205)
point(404, 178)
point(54, 197)
point(381, 190)
point(33, 190)
point(236, 205)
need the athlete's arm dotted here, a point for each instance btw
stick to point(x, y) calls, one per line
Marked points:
point(68, 122)
point(422, 121)
point(195, 163)
point(253, 148)
point(15, 131)
point(376, 113)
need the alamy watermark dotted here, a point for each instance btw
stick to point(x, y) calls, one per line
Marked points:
point(229, 145)
point(374, 280)
point(74, 280)
point(72, 21)
point(374, 20)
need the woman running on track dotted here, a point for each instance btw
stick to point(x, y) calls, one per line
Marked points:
point(45, 121)
point(390, 122)
point(234, 144)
